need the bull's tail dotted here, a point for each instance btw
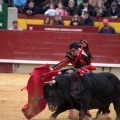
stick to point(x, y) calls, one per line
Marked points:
point(116, 102)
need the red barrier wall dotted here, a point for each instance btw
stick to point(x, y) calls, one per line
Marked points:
point(36, 45)
point(62, 28)
point(6, 67)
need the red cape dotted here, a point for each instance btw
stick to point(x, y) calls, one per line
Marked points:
point(35, 84)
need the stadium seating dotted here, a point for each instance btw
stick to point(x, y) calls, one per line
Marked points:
point(23, 20)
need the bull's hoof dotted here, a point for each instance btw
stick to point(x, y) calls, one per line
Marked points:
point(52, 118)
point(88, 115)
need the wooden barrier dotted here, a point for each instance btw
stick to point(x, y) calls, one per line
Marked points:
point(52, 46)
point(62, 28)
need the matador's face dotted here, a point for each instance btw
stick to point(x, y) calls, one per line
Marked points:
point(74, 51)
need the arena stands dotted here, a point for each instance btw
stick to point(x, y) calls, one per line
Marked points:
point(23, 20)
point(98, 10)
point(59, 28)
point(30, 47)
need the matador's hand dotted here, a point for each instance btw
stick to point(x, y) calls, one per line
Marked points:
point(69, 56)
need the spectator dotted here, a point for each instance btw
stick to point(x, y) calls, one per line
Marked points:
point(108, 3)
point(75, 21)
point(47, 21)
point(79, 2)
point(51, 11)
point(107, 29)
point(43, 5)
point(65, 3)
point(114, 12)
point(57, 21)
point(85, 6)
point(71, 9)
point(46, 3)
point(93, 3)
point(60, 10)
point(100, 10)
point(56, 2)
point(15, 26)
point(30, 9)
point(86, 20)
point(103, 2)
point(19, 4)
point(118, 3)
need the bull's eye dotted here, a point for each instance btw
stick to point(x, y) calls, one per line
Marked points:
point(50, 93)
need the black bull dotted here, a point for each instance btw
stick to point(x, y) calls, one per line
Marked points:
point(94, 91)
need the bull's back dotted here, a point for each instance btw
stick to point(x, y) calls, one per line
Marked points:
point(112, 78)
point(103, 82)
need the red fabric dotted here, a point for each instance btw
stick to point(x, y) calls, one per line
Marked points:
point(80, 71)
point(90, 67)
point(63, 63)
point(24, 88)
point(85, 70)
point(35, 84)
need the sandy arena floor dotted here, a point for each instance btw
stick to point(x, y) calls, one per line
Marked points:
point(12, 99)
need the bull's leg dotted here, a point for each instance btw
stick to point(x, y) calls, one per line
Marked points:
point(117, 109)
point(103, 110)
point(82, 114)
point(116, 102)
point(97, 114)
point(60, 110)
point(85, 100)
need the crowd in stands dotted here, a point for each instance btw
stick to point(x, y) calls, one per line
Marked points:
point(96, 8)
point(106, 29)
point(82, 11)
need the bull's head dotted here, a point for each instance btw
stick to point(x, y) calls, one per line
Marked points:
point(52, 95)
point(50, 83)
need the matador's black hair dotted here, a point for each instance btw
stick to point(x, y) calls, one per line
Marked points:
point(73, 45)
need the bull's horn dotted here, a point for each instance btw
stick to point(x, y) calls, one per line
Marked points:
point(51, 82)
point(40, 98)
